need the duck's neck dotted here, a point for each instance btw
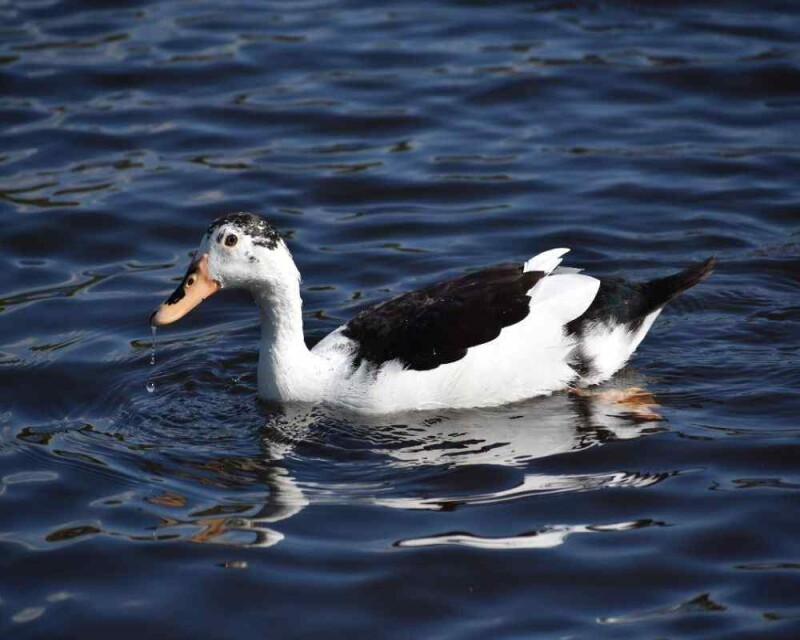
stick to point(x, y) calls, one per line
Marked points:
point(287, 370)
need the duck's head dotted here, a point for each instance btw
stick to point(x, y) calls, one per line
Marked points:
point(238, 251)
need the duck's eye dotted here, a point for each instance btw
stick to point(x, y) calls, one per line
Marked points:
point(190, 281)
point(231, 240)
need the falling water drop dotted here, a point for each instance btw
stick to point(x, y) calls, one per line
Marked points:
point(151, 386)
point(153, 351)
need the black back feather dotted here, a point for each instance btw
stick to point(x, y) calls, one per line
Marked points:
point(436, 325)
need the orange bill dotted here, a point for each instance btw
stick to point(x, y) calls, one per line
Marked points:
point(196, 286)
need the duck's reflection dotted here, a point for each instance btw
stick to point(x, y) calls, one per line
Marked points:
point(285, 500)
point(236, 523)
point(294, 439)
point(544, 538)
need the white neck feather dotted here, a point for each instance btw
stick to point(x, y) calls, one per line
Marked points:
point(287, 370)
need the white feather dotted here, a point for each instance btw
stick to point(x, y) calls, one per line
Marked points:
point(566, 295)
point(545, 261)
point(609, 347)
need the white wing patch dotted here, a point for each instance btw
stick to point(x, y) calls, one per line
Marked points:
point(564, 297)
point(545, 261)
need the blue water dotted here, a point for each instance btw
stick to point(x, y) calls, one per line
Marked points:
point(395, 146)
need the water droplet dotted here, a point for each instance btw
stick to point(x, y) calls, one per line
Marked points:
point(151, 386)
point(153, 352)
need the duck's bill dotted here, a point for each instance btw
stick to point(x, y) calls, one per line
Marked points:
point(195, 287)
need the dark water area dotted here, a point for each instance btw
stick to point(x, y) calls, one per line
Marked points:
point(395, 145)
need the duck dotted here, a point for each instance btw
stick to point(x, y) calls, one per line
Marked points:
point(493, 336)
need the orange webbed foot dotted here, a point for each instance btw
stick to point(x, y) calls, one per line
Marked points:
point(635, 400)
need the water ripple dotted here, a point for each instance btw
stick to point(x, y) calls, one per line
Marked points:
point(394, 146)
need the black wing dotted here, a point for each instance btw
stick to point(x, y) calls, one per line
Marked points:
point(436, 325)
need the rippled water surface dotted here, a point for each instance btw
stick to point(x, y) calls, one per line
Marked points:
point(395, 145)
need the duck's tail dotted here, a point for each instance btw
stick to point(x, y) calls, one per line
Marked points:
point(619, 301)
point(656, 293)
point(632, 305)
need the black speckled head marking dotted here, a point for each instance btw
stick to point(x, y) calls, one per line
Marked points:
point(261, 231)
